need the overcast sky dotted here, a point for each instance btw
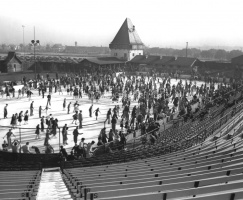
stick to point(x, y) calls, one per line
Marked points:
point(159, 23)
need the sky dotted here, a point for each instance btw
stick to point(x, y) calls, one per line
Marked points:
point(159, 23)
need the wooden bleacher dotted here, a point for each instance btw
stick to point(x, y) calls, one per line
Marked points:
point(19, 184)
point(209, 170)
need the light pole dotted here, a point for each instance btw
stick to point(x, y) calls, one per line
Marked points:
point(186, 48)
point(23, 41)
point(23, 46)
point(34, 43)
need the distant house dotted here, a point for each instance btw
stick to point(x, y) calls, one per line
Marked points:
point(237, 60)
point(11, 63)
point(58, 48)
point(184, 64)
point(237, 64)
point(100, 63)
point(215, 67)
point(150, 63)
point(87, 50)
point(143, 63)
point(161, 65)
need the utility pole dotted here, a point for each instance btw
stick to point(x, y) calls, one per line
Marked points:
point(23, 41)
point(35, 42)
point(186, 48)
point(34, 53)
point(23, 47)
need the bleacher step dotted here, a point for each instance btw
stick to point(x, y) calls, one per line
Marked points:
point(52, 186)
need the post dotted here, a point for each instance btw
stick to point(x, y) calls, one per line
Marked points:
point(34, 54)
point(23, 41)
point(186, 48)
point(59, 138)
point(20, 135)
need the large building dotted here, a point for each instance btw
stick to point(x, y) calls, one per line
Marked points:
point(127, 43)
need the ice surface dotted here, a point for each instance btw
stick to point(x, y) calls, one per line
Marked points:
point(91, 126)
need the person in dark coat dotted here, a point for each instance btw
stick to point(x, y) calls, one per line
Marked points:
point(97, 111)
point(5, 115)
point(75, 135)
point(113, 124)
point(37, 132)
point(42, 123)
point(111, 134)
point(90, 110)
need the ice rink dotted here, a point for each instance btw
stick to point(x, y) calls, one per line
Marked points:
point(91, 126)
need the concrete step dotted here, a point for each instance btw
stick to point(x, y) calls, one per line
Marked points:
point(52, 186)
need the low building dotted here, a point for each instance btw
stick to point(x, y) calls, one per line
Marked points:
point(161, 65)
point(101, 63)
point(237, 64)
point(184, 65)
point(87, 50)
point(58, 48)
point(11, 63)
point(143, 64)
point(216, 68)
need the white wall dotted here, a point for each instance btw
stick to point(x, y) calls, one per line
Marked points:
point(119, 53)
point(134, 53)
point(14, 67)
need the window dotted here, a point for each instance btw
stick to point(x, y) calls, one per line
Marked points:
point(139, 53)
point(133, 54)
point(14, 67)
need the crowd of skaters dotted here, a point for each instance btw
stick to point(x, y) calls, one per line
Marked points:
point(151, 94)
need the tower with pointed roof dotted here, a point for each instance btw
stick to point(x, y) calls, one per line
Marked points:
point(127, 43)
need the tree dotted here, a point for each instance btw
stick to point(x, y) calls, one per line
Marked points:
point(21, 46)
point(12, 47)
point(233, 53)
point(48, 47)
point(221, 54)
point(206, 54)
point(195, 52)
point(29, 47)
point(3, 46)
point(212, 52)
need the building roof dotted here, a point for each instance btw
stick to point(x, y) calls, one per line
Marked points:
point(164, 60)
point(56, 59)
point(127, 35)
point(237, 60)
point(57, 46)
point(216, 65)
point(137, 58)
point(10, 56)
point(149, 60)
point(103, 60)
point(183, 61)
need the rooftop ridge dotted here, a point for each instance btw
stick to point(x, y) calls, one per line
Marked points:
point(127, 35)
